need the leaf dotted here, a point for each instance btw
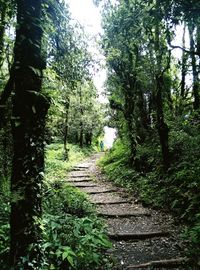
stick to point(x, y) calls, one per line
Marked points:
point(46, 245)
point(69, 255)
point(33, 109)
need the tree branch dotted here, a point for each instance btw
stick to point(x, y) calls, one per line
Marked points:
point(183, 49)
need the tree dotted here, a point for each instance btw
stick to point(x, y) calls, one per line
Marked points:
point(7, 9)
point(28, 120)
point(195, 71)
point(69, 58)
point(85, 115)
point(139, 62)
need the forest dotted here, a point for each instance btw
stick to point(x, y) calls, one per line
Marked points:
point(51, 118)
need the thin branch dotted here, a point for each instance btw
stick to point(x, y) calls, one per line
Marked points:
point(183, 49)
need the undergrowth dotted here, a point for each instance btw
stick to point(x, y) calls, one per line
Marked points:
point(73, 236)
point(177, 190)
point(56, 167)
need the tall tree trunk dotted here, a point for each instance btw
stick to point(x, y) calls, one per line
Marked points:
point(2, 31)
point(129, 85)
point(128, 113)
point(184, 62)
point(88, 138)
point(28, 122)
point(162, 127)
point(81, 122)
point(66, 156)
point(196, 83)
point(142, 124)
point(81, 135)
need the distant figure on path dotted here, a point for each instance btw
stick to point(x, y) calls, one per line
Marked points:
point(102, 146)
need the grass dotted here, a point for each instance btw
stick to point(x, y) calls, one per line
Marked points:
point(55, 167)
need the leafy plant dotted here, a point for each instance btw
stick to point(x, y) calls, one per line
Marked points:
point(74, 238)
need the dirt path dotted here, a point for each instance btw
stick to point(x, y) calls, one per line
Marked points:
point(142, 238)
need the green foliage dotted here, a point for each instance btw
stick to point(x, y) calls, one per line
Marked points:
point(73, 236)
point(152, 105)
point(116, 163)
point(4, 226)
point(56, 168)
point(60, 197)
point(193, 234)
point(74, 242)
point(5, 160)
point(86, 115)
point(177, 190)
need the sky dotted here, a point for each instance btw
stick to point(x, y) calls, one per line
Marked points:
point(88, 15)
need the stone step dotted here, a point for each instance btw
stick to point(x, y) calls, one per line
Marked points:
point(79, 175)
point(86, 184)
point(171, 263)
point(118, 202)
point(137, 236)
point(97, 190)
point(76, 180)
point(106, 198)
point(124, 215)
point(77, 170)
point(121, 208)
point(135, 223)
point(81, 167)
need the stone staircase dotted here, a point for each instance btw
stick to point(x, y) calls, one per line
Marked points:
point(142, 238)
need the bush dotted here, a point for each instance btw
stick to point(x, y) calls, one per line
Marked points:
point(4, 221)
point(73, 236)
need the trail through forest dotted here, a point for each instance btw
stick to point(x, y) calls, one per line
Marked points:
point(142, 238)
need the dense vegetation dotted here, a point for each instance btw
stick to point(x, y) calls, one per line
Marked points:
point(154, 97)
point(72, 236)
point(47, 96)
point(48, 104)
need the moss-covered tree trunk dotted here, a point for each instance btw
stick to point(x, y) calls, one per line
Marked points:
point(195, 72)
point(28, 121)
point(163, 130)
point(2, 30)
point(81, 121)
point(129, 116)
point(66, 127)
point(183, 66)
